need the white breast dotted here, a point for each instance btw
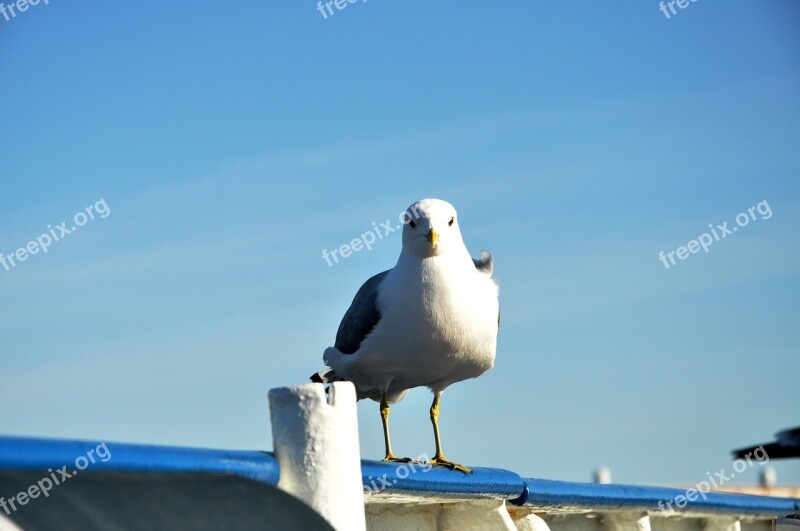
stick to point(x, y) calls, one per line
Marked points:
point(445, 315)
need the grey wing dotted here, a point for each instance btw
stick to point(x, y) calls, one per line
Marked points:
point(485, 264)
point(361, 317)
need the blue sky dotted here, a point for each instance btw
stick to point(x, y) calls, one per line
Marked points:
point(233, 143)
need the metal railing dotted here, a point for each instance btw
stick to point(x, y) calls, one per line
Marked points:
point(316, 459)
point(418, 487)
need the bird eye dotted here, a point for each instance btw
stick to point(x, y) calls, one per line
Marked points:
point(413, 225)
point(450, 224)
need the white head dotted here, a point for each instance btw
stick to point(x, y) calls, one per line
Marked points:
point(431, 229)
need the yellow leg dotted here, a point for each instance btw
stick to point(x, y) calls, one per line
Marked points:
point(385, 418)
point(439, 458)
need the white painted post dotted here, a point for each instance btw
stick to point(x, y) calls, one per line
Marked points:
point(476, 515)
point(602, 476)
point(315, 439)
point(7, 525)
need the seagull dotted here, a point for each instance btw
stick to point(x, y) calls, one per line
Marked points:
point(430, 321)
point(786, 446)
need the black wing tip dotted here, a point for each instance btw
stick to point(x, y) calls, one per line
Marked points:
point(791, 433)
point(772, 451)
point(742, 452)
point(324, 377)
point(768, 448)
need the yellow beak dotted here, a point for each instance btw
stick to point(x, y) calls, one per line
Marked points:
point(433, 236)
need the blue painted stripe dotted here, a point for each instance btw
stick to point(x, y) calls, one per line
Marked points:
point(31, 453)
point(426, 481)
point(550, 494)
point(391, 478)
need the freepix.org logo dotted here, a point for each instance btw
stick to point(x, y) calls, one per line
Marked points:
point(367, 239)
point(43, 242)
point(705, 240)
point(715, 481)
point(54, 478)
point(682, 4)
point(10, 11)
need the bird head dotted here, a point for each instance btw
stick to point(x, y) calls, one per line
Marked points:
point(430, 228)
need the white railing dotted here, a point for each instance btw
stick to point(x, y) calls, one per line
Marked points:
point(316, 444)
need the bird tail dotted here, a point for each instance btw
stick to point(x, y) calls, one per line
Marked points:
point(325, 376)
point(332, 358)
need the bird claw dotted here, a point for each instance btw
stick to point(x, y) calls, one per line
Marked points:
point(441, 461)
point(393, 459)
